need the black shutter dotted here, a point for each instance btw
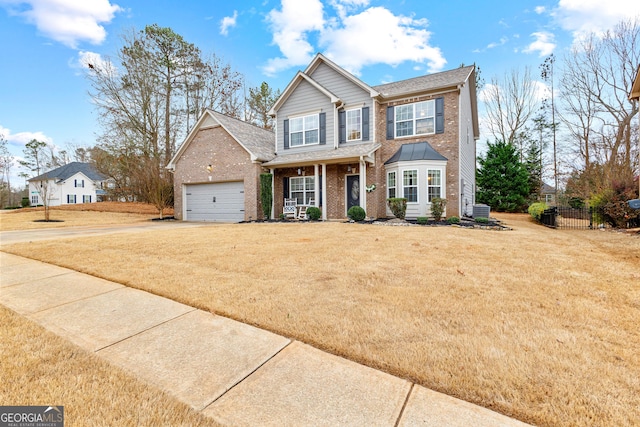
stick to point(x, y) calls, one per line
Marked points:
point(323, 128)
point(285, 129)
point(342, 126)
point(390, 129)
point(365, 123)
point(285, 188)
point(440, 115)
point(319, 202)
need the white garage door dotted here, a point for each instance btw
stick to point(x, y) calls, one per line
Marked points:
point(221, 202)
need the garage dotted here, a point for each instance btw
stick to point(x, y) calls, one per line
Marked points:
point(217, 202)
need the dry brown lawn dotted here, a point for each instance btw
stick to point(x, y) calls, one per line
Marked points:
point(538, 324)
point(102, 213)
point(40, 368)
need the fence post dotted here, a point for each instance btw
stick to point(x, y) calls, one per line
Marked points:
point(590, 217)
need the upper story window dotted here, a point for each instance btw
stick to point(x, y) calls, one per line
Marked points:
point(354, 124)
point(419, 118)
point(78, 183)
point(304, 130)
point(415, 119)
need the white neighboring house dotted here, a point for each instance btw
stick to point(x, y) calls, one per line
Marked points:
point(72, 183)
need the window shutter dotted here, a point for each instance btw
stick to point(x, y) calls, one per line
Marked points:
point(440, 115)
point(285, 129)
point(365, 123)
point(319, 202)
point(342, 126)
point(285, 187)
point(323, 128)
point(390, 129)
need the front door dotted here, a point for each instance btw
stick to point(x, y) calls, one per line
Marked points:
point(353, 191)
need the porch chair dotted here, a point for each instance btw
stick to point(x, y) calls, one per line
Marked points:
point(289, 208)
point(302, 209)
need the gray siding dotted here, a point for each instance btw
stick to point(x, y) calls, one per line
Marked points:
point(467, 147)
point(305, 99)
point(351, 94)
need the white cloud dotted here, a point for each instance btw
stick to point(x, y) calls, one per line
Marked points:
point(582, 17)
point(228, 22)
point(540, 10)
point(290, 27)
point(21, 138)
point(67, 21)
point(354, 40)
point(377, 36)
point(544, 44)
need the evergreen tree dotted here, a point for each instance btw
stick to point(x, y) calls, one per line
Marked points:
point(503, 181)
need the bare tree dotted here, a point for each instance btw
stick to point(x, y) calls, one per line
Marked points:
point(6, 162)
point(596, 108)
point(148, 101)
point(37, 159)
point(510, 102)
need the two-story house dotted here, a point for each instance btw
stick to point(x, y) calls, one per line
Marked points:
point(340, 143)
point(75, 182)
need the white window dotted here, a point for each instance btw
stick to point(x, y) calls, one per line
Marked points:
point(415, 119)
point(78, 183)
point(86, 199)
point(304, 130)
point(410, 185)
point(34, 200)
point(434, 184)
point(354, 125)
point(302, 189)
point(391, 185)
point(71, 198)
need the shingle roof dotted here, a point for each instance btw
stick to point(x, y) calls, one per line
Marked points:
point(426, 83)
point(341, 153)
point(260, 142)
point(415, 151)
point(70, 169)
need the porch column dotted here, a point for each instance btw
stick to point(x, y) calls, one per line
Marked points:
point(316, 191)
point(273, 190)
point(363, 184)
point(324, 192)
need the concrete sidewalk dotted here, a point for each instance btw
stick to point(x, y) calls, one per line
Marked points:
point(234, 373)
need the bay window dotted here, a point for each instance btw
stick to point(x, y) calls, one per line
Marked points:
point(410, 185)
point(434, 184)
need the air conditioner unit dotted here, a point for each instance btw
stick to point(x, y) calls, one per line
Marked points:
point(481, 211)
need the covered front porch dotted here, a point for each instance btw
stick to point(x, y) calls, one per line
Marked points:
point(332, 180)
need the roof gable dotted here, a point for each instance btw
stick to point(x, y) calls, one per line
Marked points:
point(295, 82)
point(321, 59)
point(70, 169)
point(254, 140)
point(415, 151)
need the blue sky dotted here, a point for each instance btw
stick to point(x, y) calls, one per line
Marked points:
point(43, 93)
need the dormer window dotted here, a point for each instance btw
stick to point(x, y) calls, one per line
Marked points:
point(304, 130)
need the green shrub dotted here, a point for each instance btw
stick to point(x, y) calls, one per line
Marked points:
point(437, 207)
point(314, 213)
point(536, 210)
point(356, 213)
point(576, 202)
point(25, 202)
point(422, 220)
point(482, 220)
point(398, 206)
point(266, 194)
point(453, 220)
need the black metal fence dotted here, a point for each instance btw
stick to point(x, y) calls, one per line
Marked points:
point(566, 217)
